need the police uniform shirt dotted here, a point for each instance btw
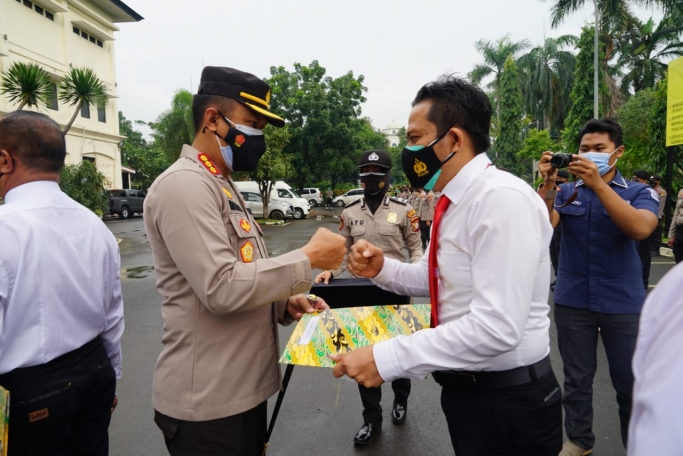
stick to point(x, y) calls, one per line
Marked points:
point(393, 225)
point(223, 296)
point(677, 219)
point(59, 279)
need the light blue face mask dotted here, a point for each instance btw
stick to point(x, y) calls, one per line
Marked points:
point(601, 159)
point(226, 152)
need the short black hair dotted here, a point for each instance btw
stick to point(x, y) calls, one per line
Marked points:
point(201, 102)
point(458, 103)
point(35, 139)
point(605, 125)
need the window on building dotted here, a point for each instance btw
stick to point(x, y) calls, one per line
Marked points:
point(28, 4)
point(38, 9)
point(85, 111)
point(52, 102)
point(89, 159)
point(49, 15)
point(87, 36)
point(101, 114)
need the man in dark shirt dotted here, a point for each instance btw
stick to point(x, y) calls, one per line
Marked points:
point(599, 284)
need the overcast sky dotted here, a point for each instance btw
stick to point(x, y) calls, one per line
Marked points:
point(397, 45)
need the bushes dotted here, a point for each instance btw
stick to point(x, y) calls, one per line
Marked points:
point(86, 185)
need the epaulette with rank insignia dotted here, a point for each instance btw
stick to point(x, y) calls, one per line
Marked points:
point(399, 200)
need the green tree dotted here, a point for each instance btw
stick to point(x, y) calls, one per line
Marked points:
point(26, 84)
point(324, 121)
point(86, 185)
point(137, 153)
point(495, 54)
point(548, 77)
point(582, 92)
point(635, 116)
point(82, 86)
point(274, 164)
point(174, 127)
point(657, 134)
point(537, 142)
point(647, 47)
point(508, 142)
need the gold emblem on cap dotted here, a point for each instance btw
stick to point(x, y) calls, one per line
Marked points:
point(392, 217)
point(268, 97)
point(420, 168)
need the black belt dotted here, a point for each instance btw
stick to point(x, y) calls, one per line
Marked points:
point(465, 380)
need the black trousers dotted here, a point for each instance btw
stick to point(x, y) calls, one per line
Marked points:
point(424, 232)
point(645, 259)
point(678, 244)
point(371, 398)
point(523, 420)
point(555, 248)
point(656, 238)
point(243, 434)
point(62, 407)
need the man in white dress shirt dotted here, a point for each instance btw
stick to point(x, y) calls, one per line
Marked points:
point(61, 310)
point(487, 273)
point(657, 416)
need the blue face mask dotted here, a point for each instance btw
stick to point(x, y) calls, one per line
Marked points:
point(226, 152)
point(601, 159)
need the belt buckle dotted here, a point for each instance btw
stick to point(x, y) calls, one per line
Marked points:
point(466, 381)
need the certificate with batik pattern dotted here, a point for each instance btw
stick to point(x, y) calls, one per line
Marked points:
point(321, 334)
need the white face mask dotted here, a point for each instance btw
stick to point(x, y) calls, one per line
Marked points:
point(601, 159)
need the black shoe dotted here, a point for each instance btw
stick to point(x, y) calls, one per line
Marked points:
point(367, 433)
point(399, 413)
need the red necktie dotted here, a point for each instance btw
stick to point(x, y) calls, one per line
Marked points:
point(441, 207)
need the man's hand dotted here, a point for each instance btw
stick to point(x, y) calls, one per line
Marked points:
point(359, 365)
point(429, 223)
point(298, 305)
point(587, 171)
point(365, 259)
point(325, 250)
point(670, 243)
point(548, 172)
point(116, 402)
point(325, 275)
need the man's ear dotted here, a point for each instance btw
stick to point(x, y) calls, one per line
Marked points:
point(211, 117)
point(6, 162)
point(457, 134)
point(620, 151)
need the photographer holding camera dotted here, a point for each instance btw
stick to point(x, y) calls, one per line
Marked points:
point(599, 284)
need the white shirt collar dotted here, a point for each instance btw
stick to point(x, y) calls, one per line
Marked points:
point(459, 183)
point(25, 191)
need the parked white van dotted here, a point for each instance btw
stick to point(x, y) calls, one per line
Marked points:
point(281, 192)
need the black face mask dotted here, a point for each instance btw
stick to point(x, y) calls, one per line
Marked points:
point(247, 149)
point(375, 184)
point(421, 164)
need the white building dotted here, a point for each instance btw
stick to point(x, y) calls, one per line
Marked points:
point(63, 34)
point(391, 133)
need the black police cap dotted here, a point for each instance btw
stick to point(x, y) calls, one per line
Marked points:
point(246, 88)
point(376, 157)
point(642, 174)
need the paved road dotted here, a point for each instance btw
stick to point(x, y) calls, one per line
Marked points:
point(320, 414)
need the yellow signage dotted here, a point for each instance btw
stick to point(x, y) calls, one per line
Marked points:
point(674, 111)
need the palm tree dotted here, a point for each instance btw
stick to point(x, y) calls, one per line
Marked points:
point(82, 86)
point(174, 127)
point(26, 84)
point(549, 75)
point(643, 53)
point(495, 54)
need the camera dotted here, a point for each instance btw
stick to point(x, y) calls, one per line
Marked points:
point(560, 160)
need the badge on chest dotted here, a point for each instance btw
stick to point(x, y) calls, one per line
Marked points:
point(247, 252)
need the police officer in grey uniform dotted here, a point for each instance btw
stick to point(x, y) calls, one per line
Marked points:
point(392, 224)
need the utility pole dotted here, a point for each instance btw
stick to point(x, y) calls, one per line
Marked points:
point(596, 72)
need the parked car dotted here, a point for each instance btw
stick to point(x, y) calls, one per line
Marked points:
point(278, 210)
point(348, 197)
point(281, 191)
point(313, 195)
point(125, 203)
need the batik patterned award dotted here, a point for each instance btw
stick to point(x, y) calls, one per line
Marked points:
point(341, 330)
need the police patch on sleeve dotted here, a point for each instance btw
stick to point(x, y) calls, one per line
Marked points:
point(653, 194)
point(247, 252)
point(341, 223)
